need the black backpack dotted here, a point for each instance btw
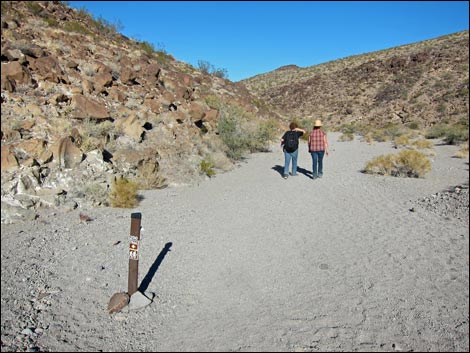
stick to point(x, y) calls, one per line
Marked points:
point(291, 144)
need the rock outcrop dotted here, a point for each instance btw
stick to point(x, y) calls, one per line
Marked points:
point(83, 104)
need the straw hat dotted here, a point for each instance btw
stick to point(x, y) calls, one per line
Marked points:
point(317, 123)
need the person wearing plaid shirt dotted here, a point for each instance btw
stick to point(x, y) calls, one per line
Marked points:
point(317, 146)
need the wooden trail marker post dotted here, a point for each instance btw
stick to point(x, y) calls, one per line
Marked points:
point(134, 241)
point(119, 300)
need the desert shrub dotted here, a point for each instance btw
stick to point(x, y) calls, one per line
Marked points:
point(207, 167)
point(412, 163)
point(266, 131)
point(368, 138)
point(83, 14)
point(107, 28)
point(379, 135)
point(51, 22)
point(232, 135)
point(388, 92)
point(123, 193)
point(348, 129)
point(462, 152)
point(456, 134)
point(6, 6)
point(402, 140)
point(74, 26)
point(451, 134)
point(147, 47)
point(393, 131)
point(204, 66)
point(213, 101)
point(413, 125)
point(348, 136)
point(423, 144)
point(95, 133)
point(306, 123)
point(97, 194)
point(207, 68)
point(436, 131)
point(149, 178)
point(382, 165)
point(34, 7)
point(407, 163)
point(163, 57)
point(220, 72)
point(241, 132)
point(389, 132)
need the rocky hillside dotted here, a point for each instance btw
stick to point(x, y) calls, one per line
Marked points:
point(417, 85)
point(83, 105)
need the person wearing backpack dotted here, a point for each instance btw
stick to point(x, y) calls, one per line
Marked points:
point(290, 146)
point(317, 146)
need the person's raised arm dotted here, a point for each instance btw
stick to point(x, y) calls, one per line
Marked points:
point(326, 145)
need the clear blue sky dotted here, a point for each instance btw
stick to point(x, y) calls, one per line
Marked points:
point(248, 38)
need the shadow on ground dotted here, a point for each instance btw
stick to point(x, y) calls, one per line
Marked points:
point(280, 170)
point(153, 269)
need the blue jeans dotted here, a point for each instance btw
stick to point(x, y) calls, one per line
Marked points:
point(317, 163)
point(287, 157)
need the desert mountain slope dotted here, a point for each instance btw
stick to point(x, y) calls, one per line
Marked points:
point(420, 84)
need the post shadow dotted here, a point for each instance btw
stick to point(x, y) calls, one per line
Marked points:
point(153, 269)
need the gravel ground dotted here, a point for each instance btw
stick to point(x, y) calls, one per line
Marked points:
point(248, 261)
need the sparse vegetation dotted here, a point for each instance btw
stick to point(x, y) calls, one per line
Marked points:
point(107, 28)
point(398, 85)
point(147, 47)
point(463, 151)
point(74, 26)
point(52, 22)
point(207, 68)
point(97, 194)
point(34, 7)
point(241, 133)
point(407, 163)
point(423, 144)
point(348, 136)
point(123, 193)
point(207, 167)
point(266, 131)
point(95, 133)
point(451, 134)
point(149, 177)
point(402, 140)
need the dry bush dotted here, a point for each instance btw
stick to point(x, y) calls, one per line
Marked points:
point(368, 138)
point(207, 167)
point(123, 194)
point(462, 152)
point(451, 134)
point(95, 133)
point(96, 193)
point(149, 178)
point(423, 144)
point(401, 140)
point(346, 137)
point(241, 132)
point(407, 163)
